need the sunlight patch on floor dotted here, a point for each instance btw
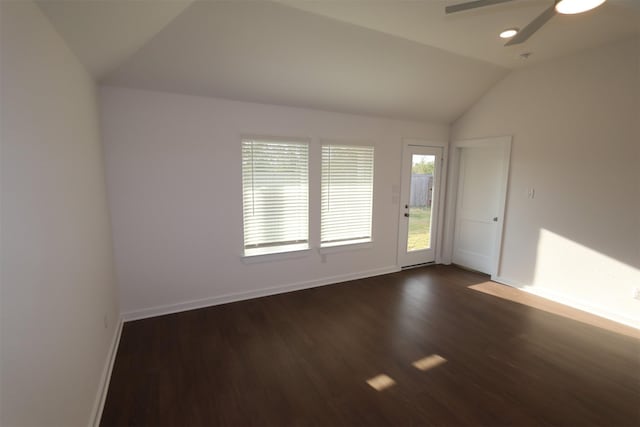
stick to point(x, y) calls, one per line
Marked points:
point(521, 297)
point(381, 382)
point(429, 362)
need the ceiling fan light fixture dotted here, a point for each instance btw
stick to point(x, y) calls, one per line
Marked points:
point(571, 7)
point(508, 33)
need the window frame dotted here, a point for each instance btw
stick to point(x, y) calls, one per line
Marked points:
point(272, 252)
point(351, 244)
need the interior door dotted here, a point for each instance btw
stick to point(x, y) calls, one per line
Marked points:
point(421, 168)
point(481, 179)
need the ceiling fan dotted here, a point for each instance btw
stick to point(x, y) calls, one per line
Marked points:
point(558, 6)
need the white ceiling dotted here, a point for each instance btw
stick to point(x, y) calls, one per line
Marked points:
point(474, 33)
point(103, 33)
point(266, 52)
point(393, 58)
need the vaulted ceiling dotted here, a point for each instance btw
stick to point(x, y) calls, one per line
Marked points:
point(392, 58)
point(474, 33)
point(103, 34)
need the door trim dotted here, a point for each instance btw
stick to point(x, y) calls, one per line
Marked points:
point(503, 142)
point(439, 240)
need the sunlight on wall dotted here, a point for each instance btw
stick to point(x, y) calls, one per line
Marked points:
point(580, 276)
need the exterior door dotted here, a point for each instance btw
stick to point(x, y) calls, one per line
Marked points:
point(421, 170)
point(480, 206)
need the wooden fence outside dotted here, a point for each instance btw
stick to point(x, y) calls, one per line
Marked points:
point(421, 190)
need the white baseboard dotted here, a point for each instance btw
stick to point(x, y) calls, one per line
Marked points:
point(568, 301)
point(239, 296)
point(98, 406)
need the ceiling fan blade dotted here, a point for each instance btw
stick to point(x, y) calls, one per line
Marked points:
point(461, 7)
point(524, 34)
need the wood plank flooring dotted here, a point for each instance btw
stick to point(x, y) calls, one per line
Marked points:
point(304, 358)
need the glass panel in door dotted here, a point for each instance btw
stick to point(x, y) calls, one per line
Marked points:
point(420, 202)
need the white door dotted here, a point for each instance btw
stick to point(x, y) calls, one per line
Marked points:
point(482, 175)
point(421, 168)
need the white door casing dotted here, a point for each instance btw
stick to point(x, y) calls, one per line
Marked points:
point(479, 185)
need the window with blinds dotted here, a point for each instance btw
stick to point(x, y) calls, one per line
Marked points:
point(275, 194)
point(347, 194)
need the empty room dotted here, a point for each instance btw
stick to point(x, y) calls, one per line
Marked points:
point(319, 213)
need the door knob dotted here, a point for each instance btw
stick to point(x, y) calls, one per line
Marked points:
point(495, 219)
point(407, 215)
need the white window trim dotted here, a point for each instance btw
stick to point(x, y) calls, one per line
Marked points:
point(280, 252)
point(277, 256)
point(302, 250)
point(346, 246)
point(355, 244)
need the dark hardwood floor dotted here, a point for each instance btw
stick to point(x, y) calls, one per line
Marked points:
point(303, 358)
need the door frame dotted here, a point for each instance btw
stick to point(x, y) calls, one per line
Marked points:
point(503, 142)
point(438, 219)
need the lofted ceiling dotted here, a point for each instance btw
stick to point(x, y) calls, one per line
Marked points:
point(474, 33)
point(393, 58)
point(267, 52)
point(103, 33)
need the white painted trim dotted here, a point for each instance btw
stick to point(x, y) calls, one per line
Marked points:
point(105, 378)
point(442, 193)
point(345, 247)
point(240, 296)
point(277, 256)
point(503, 142)
point(569, 301)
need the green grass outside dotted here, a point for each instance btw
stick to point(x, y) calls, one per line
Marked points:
point(419, 228)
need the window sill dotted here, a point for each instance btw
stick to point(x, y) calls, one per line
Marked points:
point(353, 245)
point(275, 253)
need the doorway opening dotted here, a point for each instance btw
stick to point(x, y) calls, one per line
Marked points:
point(422, 172)
point(480, 173)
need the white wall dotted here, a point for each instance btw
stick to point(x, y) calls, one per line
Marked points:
point(174, 183)
point(57, 280)
point(575, 140)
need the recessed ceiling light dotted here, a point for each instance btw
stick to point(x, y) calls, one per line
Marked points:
point(570, 7)
point(508, 33)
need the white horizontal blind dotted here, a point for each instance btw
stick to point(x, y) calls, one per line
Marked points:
point(275, 194)
point(347, 194)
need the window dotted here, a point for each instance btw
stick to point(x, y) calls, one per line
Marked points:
point(275, 193)
point(347, 194)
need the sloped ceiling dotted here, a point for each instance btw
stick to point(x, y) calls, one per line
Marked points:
point(103, 33)
point(392, 58)
point(266, 52)
point(475, 33)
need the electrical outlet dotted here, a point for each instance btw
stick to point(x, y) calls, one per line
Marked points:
point(106, 320)
point(636, 293)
